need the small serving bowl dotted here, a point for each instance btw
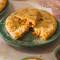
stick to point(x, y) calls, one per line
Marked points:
point(55, 51)
point(33, 57)
point(5, 8)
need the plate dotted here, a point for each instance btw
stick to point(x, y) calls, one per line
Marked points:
point(5, 8)
point(28, 38)
point(55, 51)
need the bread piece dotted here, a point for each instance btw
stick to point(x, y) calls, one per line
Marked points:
point(2, 4)
point(46, 26)
point(15, 26)
point(28, 14)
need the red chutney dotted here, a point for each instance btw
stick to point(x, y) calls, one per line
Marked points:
point(58, 55)
point(32, 59)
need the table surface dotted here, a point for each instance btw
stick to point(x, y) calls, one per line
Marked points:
point(8, 52)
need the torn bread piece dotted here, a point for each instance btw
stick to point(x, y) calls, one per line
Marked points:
point(15, 26)
point(46, 26)
point(28, 14)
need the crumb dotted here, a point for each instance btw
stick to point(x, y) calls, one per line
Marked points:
point(35, 40)
point(33, 33)
point(53, 35)
point(40, 56)
point(5, 57)
point(37, 35)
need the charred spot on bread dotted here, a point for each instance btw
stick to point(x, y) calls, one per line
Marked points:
point(41, 19)
point(30, 24)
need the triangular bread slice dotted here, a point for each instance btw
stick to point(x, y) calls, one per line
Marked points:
point(28, 14)
point(2, 4)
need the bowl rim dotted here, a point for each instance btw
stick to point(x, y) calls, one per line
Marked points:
point(6, 7)
point(28, 42)
point(55, 51)
point(33, 57)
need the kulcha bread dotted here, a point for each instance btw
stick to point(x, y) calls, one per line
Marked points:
point(15, 26)
point(28, 14)
point(46, 26)
point(2, 4)
point(42, 22)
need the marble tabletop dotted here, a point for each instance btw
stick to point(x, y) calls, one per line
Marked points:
point(9, 52)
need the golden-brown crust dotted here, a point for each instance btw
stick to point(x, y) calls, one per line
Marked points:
point(2, 4)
